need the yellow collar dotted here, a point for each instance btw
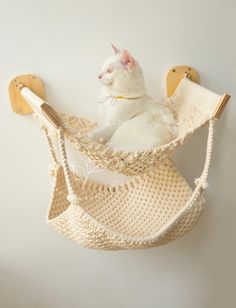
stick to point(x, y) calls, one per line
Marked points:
point(113, 98)
point(126, 98)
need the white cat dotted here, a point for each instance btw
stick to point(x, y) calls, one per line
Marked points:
point(130, 120)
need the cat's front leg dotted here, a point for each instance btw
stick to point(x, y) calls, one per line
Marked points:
point(103, 133)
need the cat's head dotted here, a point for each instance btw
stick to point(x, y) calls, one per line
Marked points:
point(122, 75)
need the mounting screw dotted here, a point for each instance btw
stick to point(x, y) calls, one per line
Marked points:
point(20, 86)
point(187, 75)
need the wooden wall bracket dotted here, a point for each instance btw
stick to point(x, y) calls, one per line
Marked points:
point(18, 103)
point(30, 88)
point(176, 74)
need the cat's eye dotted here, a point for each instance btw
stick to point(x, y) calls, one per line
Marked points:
point(110, 70)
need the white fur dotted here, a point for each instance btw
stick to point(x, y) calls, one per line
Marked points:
point(138, 122)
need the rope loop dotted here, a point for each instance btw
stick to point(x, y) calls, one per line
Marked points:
point(203, 183)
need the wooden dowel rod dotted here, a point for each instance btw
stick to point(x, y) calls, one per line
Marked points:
point(43, 109)
point(223, 102)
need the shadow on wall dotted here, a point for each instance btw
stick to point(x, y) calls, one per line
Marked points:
point(16, 288)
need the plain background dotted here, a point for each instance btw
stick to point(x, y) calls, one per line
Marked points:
point(64, 43)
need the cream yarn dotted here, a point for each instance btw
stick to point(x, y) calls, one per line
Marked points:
point(154, 207)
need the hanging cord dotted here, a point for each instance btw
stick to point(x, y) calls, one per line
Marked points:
point(52, 151)
point(72, 197)
point(202, 180)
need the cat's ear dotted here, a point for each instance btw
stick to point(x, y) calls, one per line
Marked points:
point(115, 49)
point(127, 59)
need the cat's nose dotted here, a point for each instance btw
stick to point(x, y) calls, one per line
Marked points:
point(99, 76)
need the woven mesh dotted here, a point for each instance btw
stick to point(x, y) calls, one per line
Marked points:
point(129, 215)
point(151, 209)
point(188, 119)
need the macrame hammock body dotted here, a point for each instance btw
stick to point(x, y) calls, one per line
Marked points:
point(152, 208)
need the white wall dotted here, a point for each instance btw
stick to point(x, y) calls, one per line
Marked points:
point(64, 43)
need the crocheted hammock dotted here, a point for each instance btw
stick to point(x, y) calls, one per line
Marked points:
point(192, 106)
point(154, 207)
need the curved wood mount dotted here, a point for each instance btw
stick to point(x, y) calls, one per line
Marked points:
point(176, 74)
point(18, 103)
